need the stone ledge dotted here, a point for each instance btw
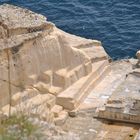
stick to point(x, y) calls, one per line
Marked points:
point(15, 20)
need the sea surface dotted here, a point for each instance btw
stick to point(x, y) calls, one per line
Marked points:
point(114, 22)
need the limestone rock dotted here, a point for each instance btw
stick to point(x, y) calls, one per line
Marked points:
point(32, 80)
point(22, 96)
point(136, 72)
point(16, 20)
point(138, 54)
point(5, 110)
point(51, 102)
point(42, 87)
point(56, 110)
point(46, 76)
point(74, 95)
point(44, 59)
point(60, 120)
point(138, 57)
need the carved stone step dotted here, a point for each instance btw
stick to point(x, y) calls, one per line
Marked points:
point(46, 88)
point(42, 87)
point(96, 53)
point(92, 85)
point(72, 96)
point(55, 90)
point(56, 110)
point(59, 78)
point(35, 102)
point(46, 77)
point(64, 78)
point(60, 120)
point(23, 96)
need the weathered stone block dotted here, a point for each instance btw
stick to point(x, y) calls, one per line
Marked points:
point(60, 120)
point(46, 77)
point(5, 110)
point(56, 110)
point(46, 58)
point(23, 96)
point(32, 79)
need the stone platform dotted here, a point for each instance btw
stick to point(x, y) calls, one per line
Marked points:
point(124, 103)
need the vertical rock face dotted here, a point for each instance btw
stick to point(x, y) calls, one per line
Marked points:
point(41, 55)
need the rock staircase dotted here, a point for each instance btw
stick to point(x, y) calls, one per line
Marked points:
point(47, 102)
point(74, 95)
point(34, 104)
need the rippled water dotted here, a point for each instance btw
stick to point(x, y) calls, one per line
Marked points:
point(115, 22)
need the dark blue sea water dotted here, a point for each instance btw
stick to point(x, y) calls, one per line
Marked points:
point(115, 22)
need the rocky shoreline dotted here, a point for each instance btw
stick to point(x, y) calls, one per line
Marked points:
point(65, 80)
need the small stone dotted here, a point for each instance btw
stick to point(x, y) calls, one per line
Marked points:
point(56, 110)
point(73, 113)
point(61, 119)
point(138, 57)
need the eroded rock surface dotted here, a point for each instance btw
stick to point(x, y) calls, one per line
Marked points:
point(15, 21)
point(42, 62)
point(53, 73)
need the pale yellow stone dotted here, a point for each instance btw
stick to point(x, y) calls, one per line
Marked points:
point(48, 116)
point(56, 110)
point(5, 110)
point(51, 102)
point(60, 120)
point(32, 92)
point(46, 58)
point(75, 94)
point(16, 98)
point(60, 78)
point(46, 76)
point(18, 20)
point(42, 87)
point(22, 96)
point(32, 79)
